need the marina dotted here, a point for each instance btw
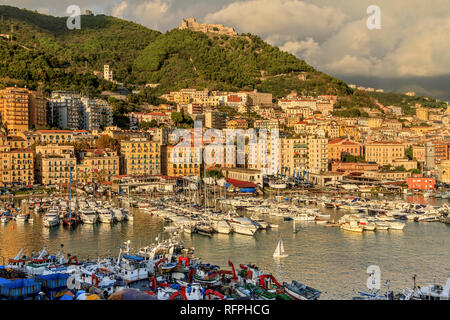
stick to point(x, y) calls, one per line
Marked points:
point(332, 260)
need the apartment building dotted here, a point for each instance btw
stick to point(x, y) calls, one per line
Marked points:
point(215, 119)
point(317, 153)
point(65, 110)
point(21, 108)
point(294, 153)
point(384, 152)
point(17, 166)
point(55, 164)
point(179, 161)
point(97, 165)
point(96, 114)
point(141, 157)
point(37, 110)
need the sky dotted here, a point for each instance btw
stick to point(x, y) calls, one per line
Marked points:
point(411, 50)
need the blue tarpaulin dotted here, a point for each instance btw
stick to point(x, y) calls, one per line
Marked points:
point(135, 258)
point(247, 190)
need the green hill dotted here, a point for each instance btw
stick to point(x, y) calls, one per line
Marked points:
point(101, 40)
point(45, 54)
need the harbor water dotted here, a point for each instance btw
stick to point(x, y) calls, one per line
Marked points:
point(329, 259)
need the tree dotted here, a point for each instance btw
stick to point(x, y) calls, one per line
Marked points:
point(409, 153)
point(106, 142)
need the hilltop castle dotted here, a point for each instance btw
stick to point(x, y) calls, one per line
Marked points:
point(192, 24)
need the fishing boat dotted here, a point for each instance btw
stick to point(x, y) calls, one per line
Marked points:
point(300, 291)
point(433, 292)
point(353, 226)
point(279, 251)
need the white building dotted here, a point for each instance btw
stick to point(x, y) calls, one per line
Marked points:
point(107, 73)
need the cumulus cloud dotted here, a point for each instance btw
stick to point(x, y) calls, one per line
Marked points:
point(331, 35)
point(149, 13)
point(282, 20)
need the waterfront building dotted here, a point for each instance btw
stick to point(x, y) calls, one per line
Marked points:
point(384, 152)
point(179, 161)
point(390, 175)
point(141, 156)
point(241, 174)
point(318, 153)
point(294, 154)
point(353, 167)
point(418, 182)
point(54, 163)
point(97, 165)
point(17, 166)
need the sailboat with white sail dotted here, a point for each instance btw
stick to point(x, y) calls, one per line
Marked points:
point(279, 251)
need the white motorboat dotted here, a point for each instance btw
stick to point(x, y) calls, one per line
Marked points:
point(396, 225)
point(243, 225)
point(88, 216)
point(223, 227)
point(105, 216)
point(304, 217)
point(117, 215)
point(52, 219)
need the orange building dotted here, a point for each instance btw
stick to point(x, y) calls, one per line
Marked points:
point(178, 161)
point(21, 108)
point(337, 148)
point(420, 183)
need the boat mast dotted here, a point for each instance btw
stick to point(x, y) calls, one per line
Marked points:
point(70, 191)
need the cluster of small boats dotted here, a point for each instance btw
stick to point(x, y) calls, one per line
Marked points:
point(203, 221)
point(78, 210)
point(164, 270)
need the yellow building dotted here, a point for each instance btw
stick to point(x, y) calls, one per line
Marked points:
point(97, 165)
point(237, 124)
point(443, 171)
point(349, 131)
point(294, 153)
point(374, 122)
point(317, 154)
point(422, 114)
point(141, 157)
point(54, 163)
point(180, 161)
point(384, 153)
point(14, 109)
point(17, 166)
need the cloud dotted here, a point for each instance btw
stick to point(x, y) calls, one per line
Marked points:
point(149, 13)
point(333, 37)
point(278, 21)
